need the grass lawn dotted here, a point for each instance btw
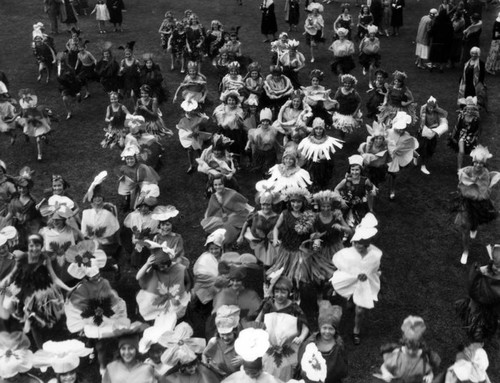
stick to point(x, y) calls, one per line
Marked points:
point(421, 273)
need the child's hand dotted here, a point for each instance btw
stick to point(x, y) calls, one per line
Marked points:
point(297, 340)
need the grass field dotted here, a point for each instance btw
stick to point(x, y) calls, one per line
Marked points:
point(421, 273)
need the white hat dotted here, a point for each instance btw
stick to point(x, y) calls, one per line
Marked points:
point(312, 6)
point(480, 154)
point(413, 327)
point(266, 114)
point(313, 364)
point(163, 323)
point(227, 318)
point(355, 159)
point(164, 213)
point(181, 348)
point(252, 343)
point(342, 32)
point(9, 232)
point(366, 229)
point(318, 122)
point(293, 43)
point(431, 100)
point(85, 259)
point(130, 151)
point(189, 104)
point(473, 368)
point(401, 121)
point(376, 129)
point(372, 29)
point(217, 237)
point(97, 181)
point(3, 88)
point(62, 356)
point(15, 356)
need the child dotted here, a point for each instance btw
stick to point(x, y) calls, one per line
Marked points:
point(101, 15)
point(194, 85)
point(115, 117)
point(177, 45)
point(164, 215)
point(191, 134)
point(254, 83)
point(232, 81)
point(287, 327)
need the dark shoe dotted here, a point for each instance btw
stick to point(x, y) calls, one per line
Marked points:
point(356, 339)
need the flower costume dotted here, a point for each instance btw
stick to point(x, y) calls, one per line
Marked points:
point(375, 154)
point(400, 145)
point(93, 306)
point(163, 291)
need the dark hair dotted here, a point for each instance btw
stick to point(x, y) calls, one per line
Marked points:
point(36, 239)
point(289, 204)
point(218, 177)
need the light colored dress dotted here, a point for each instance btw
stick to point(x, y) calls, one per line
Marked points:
point(101, 12)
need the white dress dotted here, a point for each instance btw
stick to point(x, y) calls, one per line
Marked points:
point(101, 12)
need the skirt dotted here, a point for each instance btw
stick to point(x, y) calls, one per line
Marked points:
point(321, 173)
point(314, 40)
point(475, 212)
point(345, 64)
point(388, 112)
point(346, 123)
point(366, 60)
point(302, 267)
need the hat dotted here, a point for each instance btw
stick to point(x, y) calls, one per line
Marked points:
point(315, 6)
point(3, 166)
point(94, 187)
point(348, 78)
point(56, 211)
point(221, 142)
point(24, 178)
point(129, 339)
point(329, 197)
point(313, 364)
point(189, 104)
point(329, 314)
point(130, 151)
point(433, 11)
point(355, 159)
point(398, 75)
point(293, 43)
point(494, 253)
point(252, 344)
point(366, 229)
point(164, 213)
point(372, 29)
point(163, 323)
point(290, 152)
point(181, 348)
point(254, 66)
point(227, 318)
point(9, 232)
point(498, 17)
point(431, 100)
point(318, 122)
point(217, 237)
point(147, 56)
point(401, 120)
point(283, 34)
point(62, 356)
point(413, 328)
point(475, 50)
point(233, 65)
point(27, 98)
point(266, 114)
point(267, 197)
point(148, 195)
point(237, 273)
point(472, 367)
point(215, 23)
point(480, 154)
point(342, 32)
point(294, 193)
point(230, 93)
point(85, 259)
point(233, 258)
point(377, 129)
point(252, 100)
point(15, 356)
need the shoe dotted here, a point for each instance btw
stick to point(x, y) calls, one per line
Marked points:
point(86, 96)
point(392, 196)
point(68, 116)
point(356, 339)
point(78, 97)
point(424, 170)
point(415, 161)
point(465, 255)
point(100, 32)
point(39, 158)
point(39, 78)
point(12, 140)
point(370, 86)
point(473, 234)
point(265, 41)
point(364, 72)
point(312, 60)
point(421, 67)
point(183, 71)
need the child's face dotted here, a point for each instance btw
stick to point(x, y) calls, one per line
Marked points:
point(318, 131)
point(223, 56)
point(296, 103)
point(281, 295)
point(192, 72)
point(155, 353)
point(165, 227)
point(113, 98)
point(57, 187)
point(214, 250)
point(128, 53)
point(355, 170)
point(233, 72)
point(149, 64)
point(254, 74)
point(315, 81)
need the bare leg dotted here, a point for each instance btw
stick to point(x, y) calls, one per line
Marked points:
point(67, 104)
point(460, 155)
point(172, 61)
point(39, 148)
point(182, 65)
point(392, 185)
point(465, 231)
